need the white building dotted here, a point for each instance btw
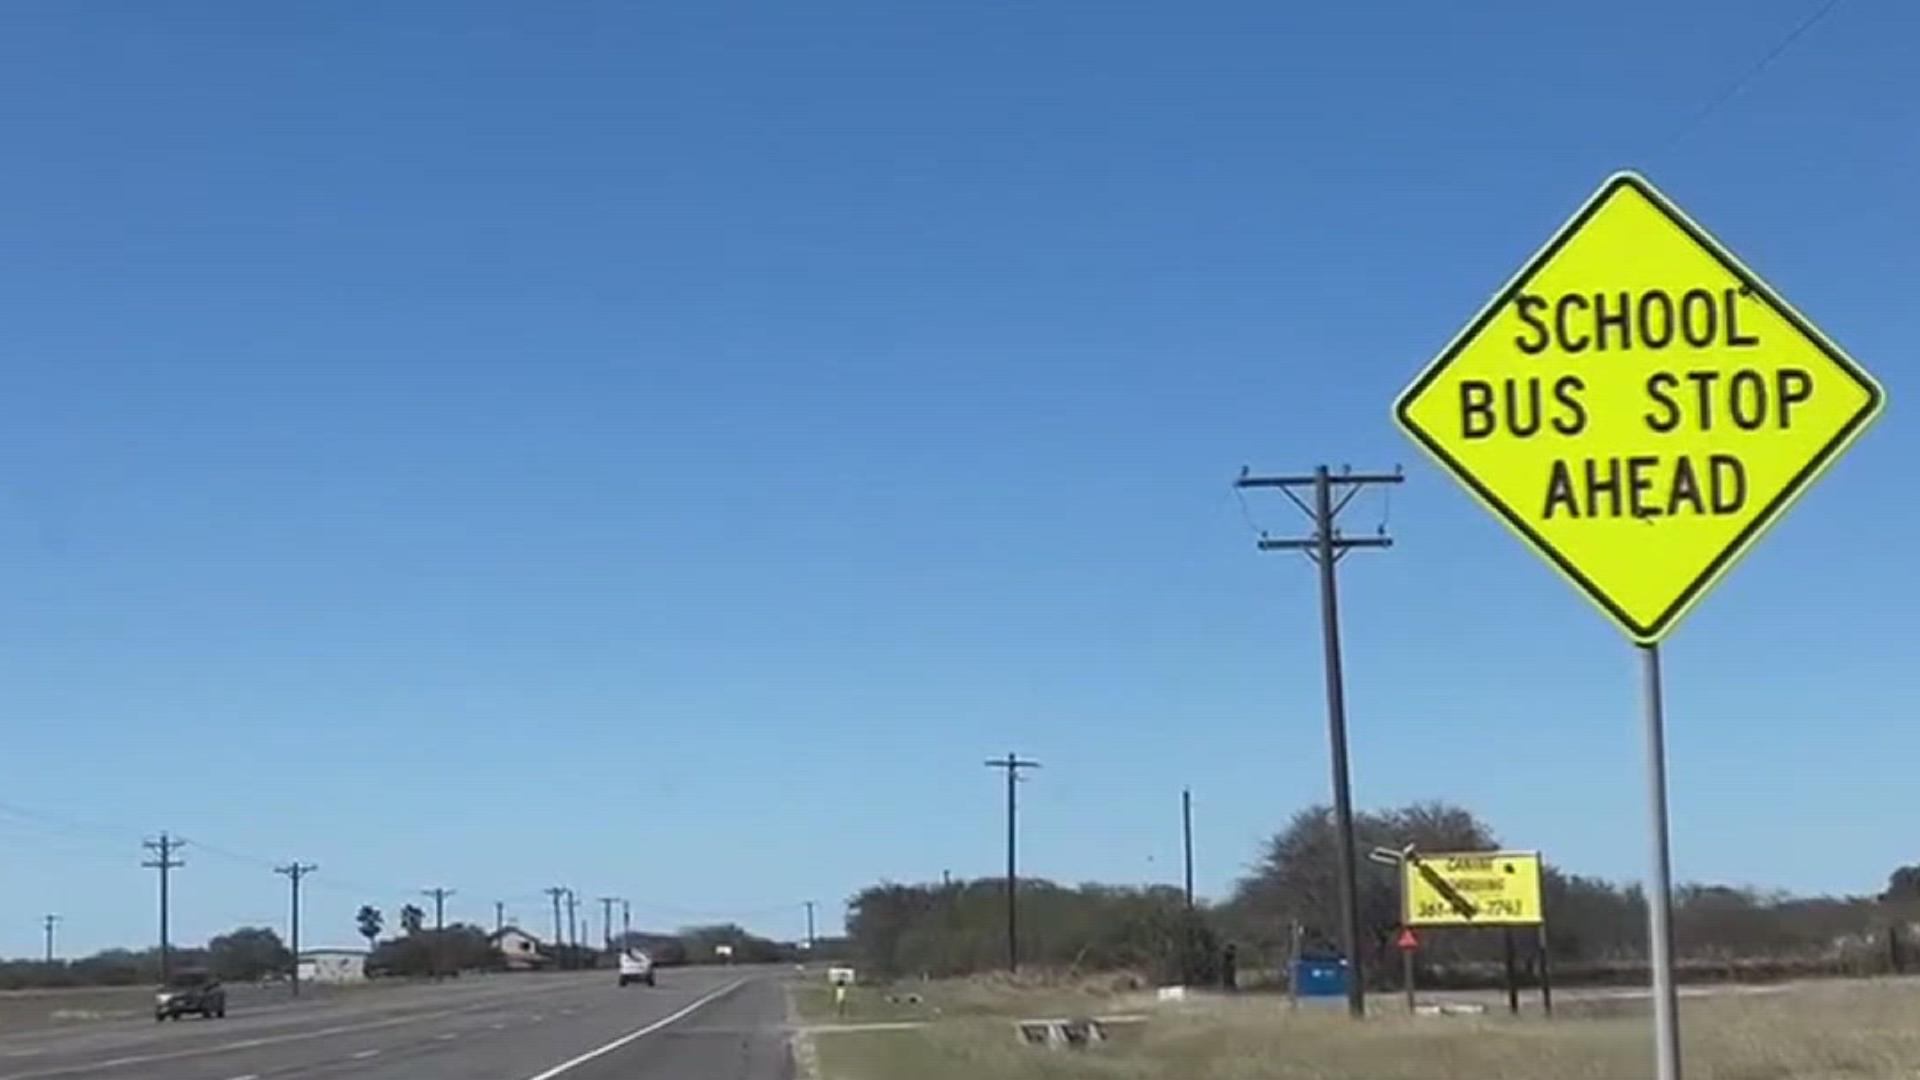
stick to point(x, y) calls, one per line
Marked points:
point(336, 966)
point(521, 949)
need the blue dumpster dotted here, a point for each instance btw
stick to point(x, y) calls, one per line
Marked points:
point(1320, 977)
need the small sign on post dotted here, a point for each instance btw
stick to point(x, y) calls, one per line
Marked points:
point(841, 979)
point(1408, 943)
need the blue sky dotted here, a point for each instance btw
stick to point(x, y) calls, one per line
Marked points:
point(663, 448)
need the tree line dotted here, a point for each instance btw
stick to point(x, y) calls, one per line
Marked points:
point(959, 928)
point(255, 953)
point(1596, 929)
point(246, 954)
point(421, 951)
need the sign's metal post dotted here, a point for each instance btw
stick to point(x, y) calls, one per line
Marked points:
point(1666, 1005)
point(1406, 927)
point(1513, 973)
point(1546, 962)
point(1293, 964)
point(1401, 862)
point(1546, 973)
point(1406, 978)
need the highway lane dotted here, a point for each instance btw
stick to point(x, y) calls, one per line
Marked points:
point(254, 1015)
point(697, 1023)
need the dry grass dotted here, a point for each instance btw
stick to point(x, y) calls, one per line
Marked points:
point(990, 995)
point(1832, 1031)
point(23, 1009)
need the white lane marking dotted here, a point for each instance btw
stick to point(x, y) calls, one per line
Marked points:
point(539, 1017)
point(482, 998)
point(475, 1004)
point(243, 1044)
point(248, 1076)
point(496, 1027)
point(448, 1037)
point(365, 1054)
point(639, 1033)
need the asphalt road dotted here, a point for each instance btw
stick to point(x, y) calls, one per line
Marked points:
point(698, 1024)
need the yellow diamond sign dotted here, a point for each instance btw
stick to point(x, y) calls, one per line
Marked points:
point(1638, 405)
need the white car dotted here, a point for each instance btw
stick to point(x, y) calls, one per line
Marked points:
point(636, 967)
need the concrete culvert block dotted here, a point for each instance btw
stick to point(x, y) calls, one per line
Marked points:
point(1061, 1034)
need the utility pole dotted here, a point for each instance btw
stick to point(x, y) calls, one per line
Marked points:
point(163, 861)
point(606, 920)
point(499, 916)
point(1326, 546)
point(626, 925)
point(1186, 937)
point(811, 941)
point(439, 927)
point(51, 921)
point(1186, 827)
point(295, 870)
point(1012, 764)
point(559, 944)
point(573, 929)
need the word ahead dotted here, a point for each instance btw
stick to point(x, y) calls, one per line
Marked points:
point(1638, 406)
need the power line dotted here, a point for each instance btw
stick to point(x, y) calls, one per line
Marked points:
point(68, 825)
point(1746, 78)
point(231, 856)
point(105, 837)
point(757, 907)
point(101, 839)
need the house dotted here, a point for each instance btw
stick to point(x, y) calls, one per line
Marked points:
point(521, 949)
point(334, 966)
